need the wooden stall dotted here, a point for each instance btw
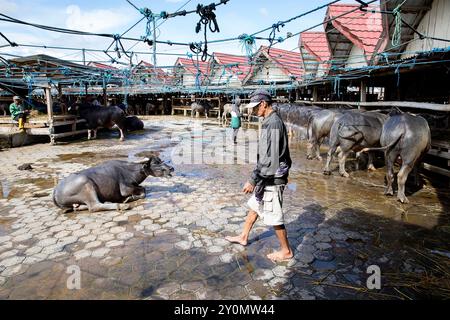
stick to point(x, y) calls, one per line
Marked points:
point(49, 75)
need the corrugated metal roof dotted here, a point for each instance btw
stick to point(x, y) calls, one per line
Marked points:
point(363, 29)
point(238, 65)
point(317, 45)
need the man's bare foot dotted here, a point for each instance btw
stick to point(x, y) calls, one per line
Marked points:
point(280, 256)
point(238, 239)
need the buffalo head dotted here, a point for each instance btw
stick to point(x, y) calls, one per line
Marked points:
point(153, 166)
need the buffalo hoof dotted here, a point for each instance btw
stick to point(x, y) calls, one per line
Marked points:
point(327, 172)
point(389, 193)
point(403, 200)
point(124, 206)
point(371, 168)
point(309, 157)
point(344, 174)
point(122, 139)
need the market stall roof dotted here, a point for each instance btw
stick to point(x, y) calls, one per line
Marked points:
point(350, 26)
point(238, 65)
point(316, 44)
point(36, 71)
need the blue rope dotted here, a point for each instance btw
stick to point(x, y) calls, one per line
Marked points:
point(248, 45)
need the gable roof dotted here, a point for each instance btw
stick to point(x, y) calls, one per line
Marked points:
point(192, 66)
point(316, 43)
point(363, 29)
point(237, 65)
point(290, 62)
point(150, 69)
point(101, 66)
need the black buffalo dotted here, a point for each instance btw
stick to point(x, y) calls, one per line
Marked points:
point(98, 116)
point(318, 128)
point(408, 137)
point(3, 108)
point(296, 117)
point(201, 106)
point(354, 131)
point(108, 186)
point(133, 123)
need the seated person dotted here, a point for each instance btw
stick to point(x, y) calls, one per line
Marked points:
point(19, 112)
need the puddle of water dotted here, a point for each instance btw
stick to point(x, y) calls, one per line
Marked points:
point(5, 189)
point(42, 183)
point(87, 157)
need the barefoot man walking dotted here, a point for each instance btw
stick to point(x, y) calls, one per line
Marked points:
point(269, 178)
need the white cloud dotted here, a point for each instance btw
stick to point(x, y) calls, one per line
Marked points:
point(8, 6)
point(264, 12)
point(99, 20)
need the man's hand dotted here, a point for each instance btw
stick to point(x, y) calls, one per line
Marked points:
point(248, 188)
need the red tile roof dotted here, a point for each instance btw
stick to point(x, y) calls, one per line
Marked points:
point(363, 29)
point(317, 45)
point(101, 66)
point(236, 64)
point(290, 62)
point(149, 68)
point(191, 66)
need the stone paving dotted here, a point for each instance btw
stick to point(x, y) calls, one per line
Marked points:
point(171, 244)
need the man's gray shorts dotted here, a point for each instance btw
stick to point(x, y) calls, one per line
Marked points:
point(271, 207)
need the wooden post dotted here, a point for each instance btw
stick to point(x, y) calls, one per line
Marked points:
point(105, 97)
point(315, 94)
point(218, 117)
point(363, 91)
point(48, 95)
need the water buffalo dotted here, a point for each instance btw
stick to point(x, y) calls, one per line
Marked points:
point(318, 128)
point(201, 106)
point(98, 116)
point(133, 123)
point(296, 117)
point(3, 108)
point(354, 131)
point(408, 137)
point(108, 186)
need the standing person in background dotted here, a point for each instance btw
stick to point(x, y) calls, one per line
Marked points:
point(236, 119)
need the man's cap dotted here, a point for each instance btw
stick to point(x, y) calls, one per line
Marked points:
point(17, 98)
point(258, 96)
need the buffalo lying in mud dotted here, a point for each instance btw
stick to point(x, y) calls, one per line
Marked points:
point(408, 137)
point(98, 116)
point(354, 131)
point(108, 186)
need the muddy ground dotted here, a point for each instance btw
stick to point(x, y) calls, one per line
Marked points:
point(171, 244)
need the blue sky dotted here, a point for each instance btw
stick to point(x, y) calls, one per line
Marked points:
point(116, 16)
